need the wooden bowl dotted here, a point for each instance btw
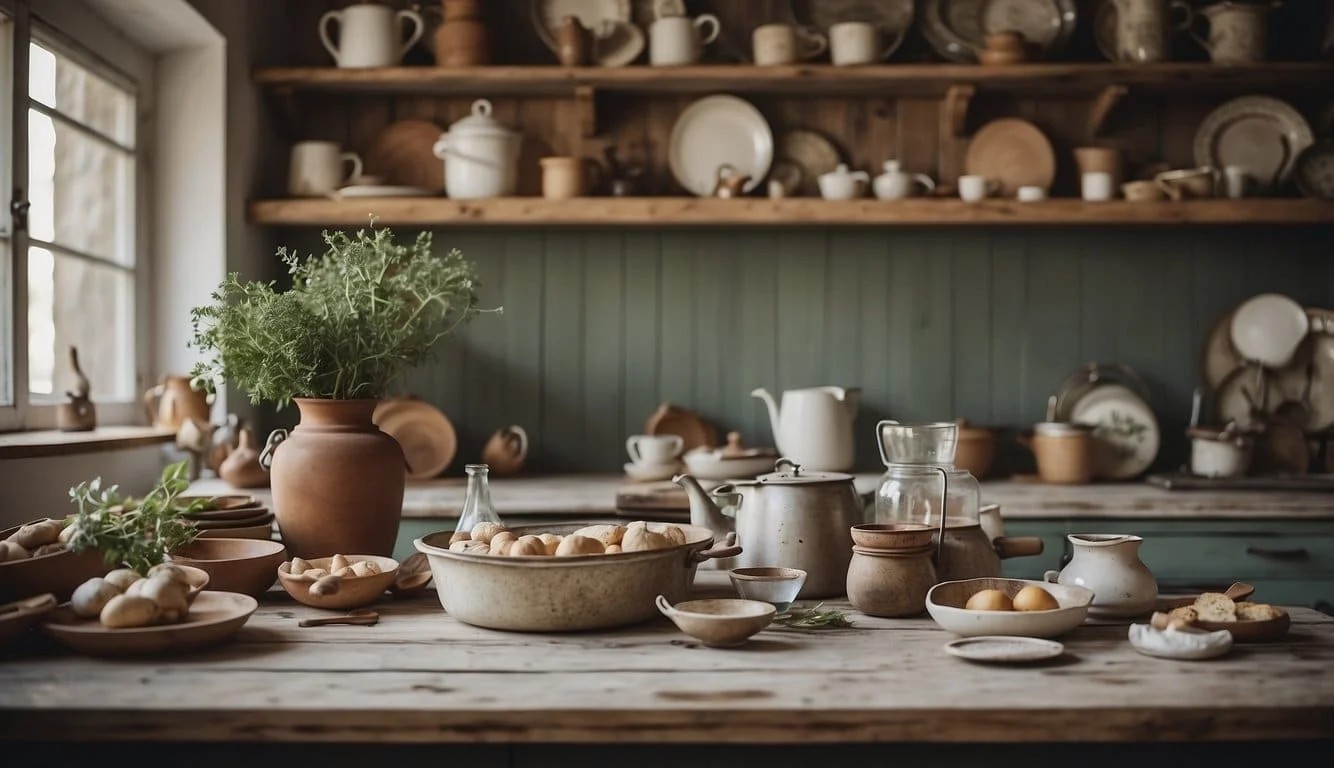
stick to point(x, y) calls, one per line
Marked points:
point(59, 573)
point(1251, 631)
point(263, 531)
point(214, 617)
point(892, 535)
point(18, 616)
point(353, 591)
point(946, 600)
point(221, 503)
point(719, 623)
point(234, 565)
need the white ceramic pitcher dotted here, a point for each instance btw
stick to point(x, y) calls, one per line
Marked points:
point(369, 35)
point(1109, 564)
point(813, 427)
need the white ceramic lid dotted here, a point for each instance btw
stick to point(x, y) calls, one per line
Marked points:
point(788, 472)
point(480, 122)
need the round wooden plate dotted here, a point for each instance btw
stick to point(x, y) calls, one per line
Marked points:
point(403, 155)
point(694, 431)
point(264, 518)
point(425, 434)
point(1012, 153)
point(214, 617)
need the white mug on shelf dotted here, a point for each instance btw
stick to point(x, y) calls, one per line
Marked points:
point(974, 188)
point(316, 168)
point(776, 44)
point(654, 450)
point(1096, 186)
point(1031, 194)
point(854, 42)
point(1236, 182)
point(678, 40)
point(369, 35)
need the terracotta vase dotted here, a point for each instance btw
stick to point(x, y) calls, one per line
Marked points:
point(337, 481)
point(241, 468)
point(172, 403)
point(462, 43)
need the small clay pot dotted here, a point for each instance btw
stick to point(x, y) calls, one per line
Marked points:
point(890, 582)
point(574, 43)
point(455, 10)
point(1064, 453)
point(241, 468)
point(976, 450)
point(462, 43)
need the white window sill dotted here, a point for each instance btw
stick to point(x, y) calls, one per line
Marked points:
point(27, 445)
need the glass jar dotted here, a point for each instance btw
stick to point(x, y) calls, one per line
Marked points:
point(477, 505)
point(919, 465)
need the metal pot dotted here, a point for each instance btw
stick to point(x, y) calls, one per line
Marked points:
point(564, 594)
point(787, 519)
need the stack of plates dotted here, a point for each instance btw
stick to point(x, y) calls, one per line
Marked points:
point(234, 517)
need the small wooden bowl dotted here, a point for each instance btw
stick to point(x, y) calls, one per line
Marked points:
point(1261, 631)
point(234, 565)
point(892, 535)
point(353, 591)
point(720, 623)
point(59, 573)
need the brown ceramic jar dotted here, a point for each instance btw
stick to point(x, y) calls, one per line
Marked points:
point(890, 582)
point(241, 468)
point(574, 43)
point(462, 43)
point(337, 481)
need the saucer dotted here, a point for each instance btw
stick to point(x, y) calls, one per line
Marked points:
point(648, 473)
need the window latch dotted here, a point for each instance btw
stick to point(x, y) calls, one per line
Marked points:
point(18, 210)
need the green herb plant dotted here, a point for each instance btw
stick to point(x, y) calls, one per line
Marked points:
point(814, 618)
point(133, 533)
point(353, 320)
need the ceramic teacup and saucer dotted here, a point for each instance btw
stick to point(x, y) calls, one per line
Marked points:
point(653, 457)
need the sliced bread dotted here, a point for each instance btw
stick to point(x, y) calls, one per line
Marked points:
point(1215, 606)
point(1257, 612)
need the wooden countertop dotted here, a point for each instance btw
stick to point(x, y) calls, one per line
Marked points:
point(593, 495)
point(420, 676)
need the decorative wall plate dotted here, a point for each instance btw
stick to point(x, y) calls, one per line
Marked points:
point(892, 17)
point(1046, 24)
point(718, 130)
point(812, 154)
point(1013, 153)
point(1261, 134)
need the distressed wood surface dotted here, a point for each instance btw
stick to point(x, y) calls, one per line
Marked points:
point(27, 445)
point(420, 676)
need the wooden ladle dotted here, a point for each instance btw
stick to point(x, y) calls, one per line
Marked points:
point(362, 617)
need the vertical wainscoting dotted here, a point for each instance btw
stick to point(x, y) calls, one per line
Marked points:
point(600, 325)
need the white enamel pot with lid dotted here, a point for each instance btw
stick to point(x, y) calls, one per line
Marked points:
point(481, 155)
point(1219, 452)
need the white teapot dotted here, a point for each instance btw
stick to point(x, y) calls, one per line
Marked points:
point(842, 184)
point(896, 184)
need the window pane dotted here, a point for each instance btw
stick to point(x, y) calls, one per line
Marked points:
point(59, 83)
point(81, 190)
point(6, 331)
point(76, 302)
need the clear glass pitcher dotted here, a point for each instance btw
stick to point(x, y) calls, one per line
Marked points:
point(921, 483)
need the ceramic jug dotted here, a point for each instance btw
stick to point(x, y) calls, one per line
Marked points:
point(369, 35)
point(813, 427)
point(896, 184)
point(1109, 564)
point(843, 184)
point(173, 402)
point(1144, 28)
point(1238, 32)
point(676, 40)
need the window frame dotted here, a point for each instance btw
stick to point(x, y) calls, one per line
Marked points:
point(74, 31)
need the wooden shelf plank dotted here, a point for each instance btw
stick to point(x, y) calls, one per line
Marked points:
point(911, 79)
point(670, 211)
point(29, 445)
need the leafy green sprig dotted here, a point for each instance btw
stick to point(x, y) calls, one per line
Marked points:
point(133, 533)
point(814, 618)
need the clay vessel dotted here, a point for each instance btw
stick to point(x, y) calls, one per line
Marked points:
point(574, 43)
point(462, 43)
point(173, 402)
point(241, 468)
point(454, 10)
point(506, 451)
point(337, 481)
point(890, 582)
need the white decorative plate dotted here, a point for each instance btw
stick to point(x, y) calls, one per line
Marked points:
point(1314, 172)
point(718, 130)
point(1126, 434)
point(367, 190)
point(1267, 329)
point(1258, 133)
point(619, 48)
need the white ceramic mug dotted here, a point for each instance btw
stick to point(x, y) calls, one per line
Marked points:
point(654, 450)
point(1096, 186)
point(1031, 194)
point(1236, 182)
point(677, 40)
point(854, 42)
point(974, 188)
point(316, 168)
point(369, 35)
point(776, 44)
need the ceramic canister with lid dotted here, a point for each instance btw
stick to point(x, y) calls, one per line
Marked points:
point(1064, 452)
point(481, 155)
point(890, 582)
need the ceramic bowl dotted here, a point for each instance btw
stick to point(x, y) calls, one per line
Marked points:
point(776, 586)
point(719, 623)
point(353, 591)
point(892, 535)
point(263, 531)
point(59, 573)
point(945, 602)
point(246, 566)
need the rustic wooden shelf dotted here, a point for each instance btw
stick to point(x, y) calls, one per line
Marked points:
point(669, 211)
point(896, 79)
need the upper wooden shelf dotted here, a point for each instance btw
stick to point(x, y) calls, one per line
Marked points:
point(679, 211)
point(909, 79)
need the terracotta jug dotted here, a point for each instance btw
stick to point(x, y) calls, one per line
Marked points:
point(574, 43)
point(462, 39)
point(505, 452)
point(173, 402)
point(241, 468)
point(337, 481)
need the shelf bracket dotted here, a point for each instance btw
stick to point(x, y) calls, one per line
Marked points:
point(954, 112)
point(1102, 107)
point(585, 99)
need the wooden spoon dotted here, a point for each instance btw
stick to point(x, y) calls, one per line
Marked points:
point(362, 617)
point(1239, 590)
point(414, 574)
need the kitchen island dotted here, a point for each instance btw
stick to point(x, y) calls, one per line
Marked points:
point(421, 677)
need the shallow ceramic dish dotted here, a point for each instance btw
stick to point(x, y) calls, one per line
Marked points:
point(711, 464)
point(1004, 649)
point(776, 586)
point(214, 617)
point(247, 566)
point(1263, 135)
point(382, 190)
point(16, 617)
point(1314, 172)
point(893, 18)
point(718, 130)
point(651, 473)
point(892, 535)
point(719, 623)
point(263, 532)
point(353, 591)
point(1141, 639)
point(945, 602)
point(1013, 153)
point(225, 525)
point(227, 515)
point(221, 503)
point(59, 573)
point(1267, 329)
point(812, 154)
point(426, 435)
point(1263, 631)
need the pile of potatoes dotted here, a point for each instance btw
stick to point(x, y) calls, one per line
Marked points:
point(607, 539)
point(37, 539)
point(326, 579)
point(123, 599)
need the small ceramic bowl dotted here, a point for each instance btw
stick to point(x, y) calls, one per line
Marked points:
point(892, 535)
point(234, 565)
point(945, 602)
point(776, 586)
point(353, 591)
point(719, 623)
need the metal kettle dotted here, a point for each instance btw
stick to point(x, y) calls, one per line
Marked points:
point(789, 518)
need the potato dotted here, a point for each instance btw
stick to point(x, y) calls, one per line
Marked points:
point(170, 596)
point(458, 536)
point(476, 548)
point(314, 574)
point(137, 588)
point(484, 532)
point(326, 585)
point(127, 611)
point(989, 600)
point(528, 546)
point(501, 542)
point(345, 572)
point(463, 545)
point(37, 534)
point(170, 571)
point(638, 538)
point(91, 597)
point(123, 578)
point(337, 562)
point(607, 534)
point(67, 533)
point(614, 549)
point(574, 544)
point(365, 568)
point(298, 566)
point(550, 541)
point(674, 534)
point(12, 551)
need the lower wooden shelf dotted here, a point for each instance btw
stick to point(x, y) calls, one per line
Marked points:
point(688, 211)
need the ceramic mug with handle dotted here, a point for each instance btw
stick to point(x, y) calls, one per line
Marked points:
point(974, 188)
point(654, 450)
point(678, 40)
point(316, 168)
point(369, 35)
point(1238, 32)
point(854, 42)
point(776, 44)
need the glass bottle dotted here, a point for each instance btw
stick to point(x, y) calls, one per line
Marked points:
point(477, 506)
